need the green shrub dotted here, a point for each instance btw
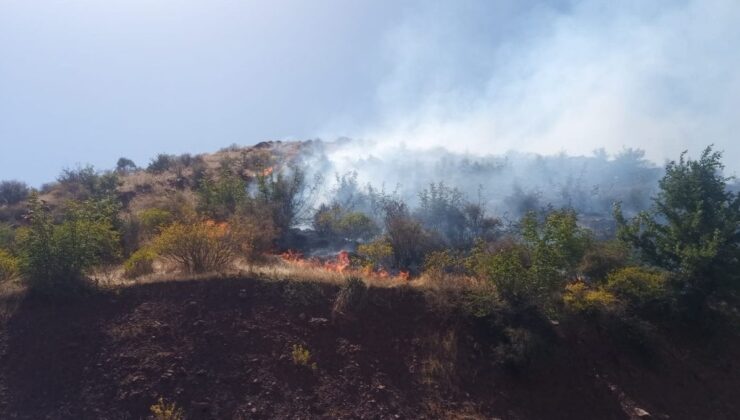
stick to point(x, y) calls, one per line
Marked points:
point(578, 297)
point(334, 222)
point(161, 163)
point(222, 197)
point(55, 256)
point(9, 266)
point(639, 285)
point(140, 263)
point(376, 254)
point(153, 220)
point(7, 236)
point(603, 258)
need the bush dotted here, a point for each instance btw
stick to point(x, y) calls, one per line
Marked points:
point(302, 357)
point(222, 197)
point(199, 246)
point(602, 259)
point(125, 165)
point(409, 241)
point(12, 192)
point(639, 285)
point(510, 272)
point(140, 263)
point(351, 299)
point(154, 220)
point(9, 266)
point(518, 348)
point(334, 222)
point(376, 254)
point(255, 236)
point(692, 227)
point(55, 257)
point(166, 411)
point(578, 297)
point(85, 183)
point(161, 163)
point(7, 236)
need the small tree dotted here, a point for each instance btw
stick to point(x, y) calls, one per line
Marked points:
point(693, 228)
point(125, 165)
point(12, 192)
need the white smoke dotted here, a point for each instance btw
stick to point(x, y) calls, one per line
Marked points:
point(483, 77)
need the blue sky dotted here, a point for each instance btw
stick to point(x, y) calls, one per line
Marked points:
point(86, 81)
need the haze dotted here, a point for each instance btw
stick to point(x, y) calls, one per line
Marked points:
point(88, 81)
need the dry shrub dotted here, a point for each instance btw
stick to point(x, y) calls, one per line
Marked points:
point(350, 299)
point(166, 411)
point(9, 266)
point(199, 246)
point(140, 263)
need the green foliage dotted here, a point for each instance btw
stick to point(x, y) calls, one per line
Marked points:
point(161, 163)
point(511, 272)
point(125, 165)
point(140, 263)
point(578, 297)
point(7, 236)
point(12, 192)
point(603, 258)
point(639, 285)
point(55, 256)
point(153, 220)
point(334, 222)
point(445, 262)
point(86, 183)
point(557, 243)
point(222, 197)
point(377, 254)
point(9, 266)
point(692, 228)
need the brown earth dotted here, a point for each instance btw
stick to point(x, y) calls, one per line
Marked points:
point(221, 348)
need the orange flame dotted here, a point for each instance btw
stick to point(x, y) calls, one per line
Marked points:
point(341, 264)
point(268, 171)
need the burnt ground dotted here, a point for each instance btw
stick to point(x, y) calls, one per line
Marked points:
point(221, 348)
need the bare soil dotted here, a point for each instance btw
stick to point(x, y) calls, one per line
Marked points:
point(221, 348)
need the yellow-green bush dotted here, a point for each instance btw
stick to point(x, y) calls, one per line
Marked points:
point(153, 220)
point(198, 246)
point(377, 253)
point(140, 263)
point(302, 357)
point(9, 266)
point(578, 297)
point(166, 411)
point(639, 285)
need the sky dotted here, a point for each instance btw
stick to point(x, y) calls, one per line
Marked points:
point(89, 81)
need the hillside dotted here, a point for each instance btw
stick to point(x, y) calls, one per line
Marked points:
point(221, 348)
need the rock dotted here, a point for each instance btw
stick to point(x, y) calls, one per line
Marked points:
point(640, 413)
point(318, 322)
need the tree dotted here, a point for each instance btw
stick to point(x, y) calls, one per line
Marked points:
point(693, 227)
point(125, 165)
point(12, 192)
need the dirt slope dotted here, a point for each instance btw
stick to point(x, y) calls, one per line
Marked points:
point(222, 349)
